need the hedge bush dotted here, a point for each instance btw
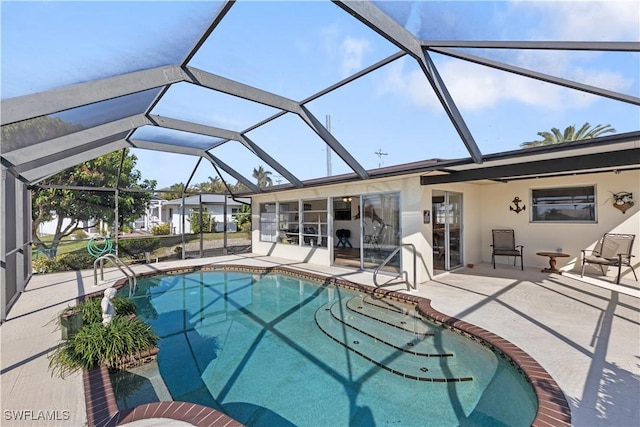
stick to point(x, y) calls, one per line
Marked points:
point(161, 229)
point(207, 223)
point(64, 262)
point(137, 247)
point(80, 234)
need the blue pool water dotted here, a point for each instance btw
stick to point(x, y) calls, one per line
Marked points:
point(273, 350)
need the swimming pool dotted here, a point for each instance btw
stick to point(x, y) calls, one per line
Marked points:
point(277, 350)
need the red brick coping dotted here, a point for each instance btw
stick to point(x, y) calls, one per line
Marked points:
point(553, 409)
point(102, 409)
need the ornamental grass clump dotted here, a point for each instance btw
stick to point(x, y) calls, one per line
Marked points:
point(92, 313)
point(115, 345)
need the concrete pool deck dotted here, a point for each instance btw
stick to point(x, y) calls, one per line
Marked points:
point(584, 332)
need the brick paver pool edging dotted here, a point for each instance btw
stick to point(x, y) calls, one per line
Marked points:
point(553, 408)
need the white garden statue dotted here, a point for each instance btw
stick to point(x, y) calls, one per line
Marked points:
point(108, 312)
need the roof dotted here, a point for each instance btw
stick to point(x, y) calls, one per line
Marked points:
point(209, 199)
point(314, 92)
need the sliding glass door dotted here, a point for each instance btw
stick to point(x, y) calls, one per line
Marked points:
point(447, 230)
point(380, 230)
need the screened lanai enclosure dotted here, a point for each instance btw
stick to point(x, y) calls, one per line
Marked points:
point(312, 92)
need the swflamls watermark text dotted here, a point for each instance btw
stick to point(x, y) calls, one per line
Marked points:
point(36, 415)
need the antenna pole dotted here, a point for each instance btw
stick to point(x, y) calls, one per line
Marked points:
point(328, 119)
point(379, 153)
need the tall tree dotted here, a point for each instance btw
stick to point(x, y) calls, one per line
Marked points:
point(263, 178)
point(214, 185)
point(175, 191)
point(569, 134)
point(78, 206)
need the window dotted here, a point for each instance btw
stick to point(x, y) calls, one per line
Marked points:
point(568, 204)
point(284, 223)
point(268, 223)
point(289, 223)
point(314, 223)
point(342, 209)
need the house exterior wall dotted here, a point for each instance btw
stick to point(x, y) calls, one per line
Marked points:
point(410, 221)
point(570, 237)
point(485, 207)
point(216, 211)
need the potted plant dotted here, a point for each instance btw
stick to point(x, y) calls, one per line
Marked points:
point(126, 339)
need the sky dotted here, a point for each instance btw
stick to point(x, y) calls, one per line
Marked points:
point(295, 49)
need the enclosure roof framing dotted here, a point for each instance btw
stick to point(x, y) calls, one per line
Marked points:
point(201, 79)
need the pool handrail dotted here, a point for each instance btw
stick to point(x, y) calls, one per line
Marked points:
point(130, 275)
point(404, 272)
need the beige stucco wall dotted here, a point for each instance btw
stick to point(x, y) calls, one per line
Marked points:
point(411, 227)
point(571, 238)
point(485, 206)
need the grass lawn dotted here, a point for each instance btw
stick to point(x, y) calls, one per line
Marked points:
point(67, 245)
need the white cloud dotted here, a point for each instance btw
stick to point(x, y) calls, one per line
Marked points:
point(474, 87)
point(610, 20)
point(410, 85)
point(353, 51)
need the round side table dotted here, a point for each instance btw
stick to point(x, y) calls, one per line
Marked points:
point(552, 261)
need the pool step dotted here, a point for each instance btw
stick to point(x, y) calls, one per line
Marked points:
point(403, 352)
point(400, 316)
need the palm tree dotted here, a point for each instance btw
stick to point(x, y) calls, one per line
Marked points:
point(262, 177)
point(216, 185)
point(569, 134)
point(176, 191)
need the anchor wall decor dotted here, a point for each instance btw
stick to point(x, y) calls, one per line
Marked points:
point(516, 201)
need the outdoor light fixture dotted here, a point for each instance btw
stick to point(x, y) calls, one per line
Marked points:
point(346, 199)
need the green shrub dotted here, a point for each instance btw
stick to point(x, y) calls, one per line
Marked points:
point(137, 247)
point(243, 218)
point(161, 229)
point(42, 264)
point(73, 261)
point(95, 344)
point(206, 222)
point(80, 234)
point(64, 262)
point(92, 312)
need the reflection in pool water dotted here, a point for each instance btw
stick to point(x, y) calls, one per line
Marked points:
point(274, 350)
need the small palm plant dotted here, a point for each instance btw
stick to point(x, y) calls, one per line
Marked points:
point(95, 344)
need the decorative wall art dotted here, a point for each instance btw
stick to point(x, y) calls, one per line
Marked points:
point(623, 201)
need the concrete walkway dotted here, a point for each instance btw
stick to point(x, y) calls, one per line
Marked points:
point(584, 332)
